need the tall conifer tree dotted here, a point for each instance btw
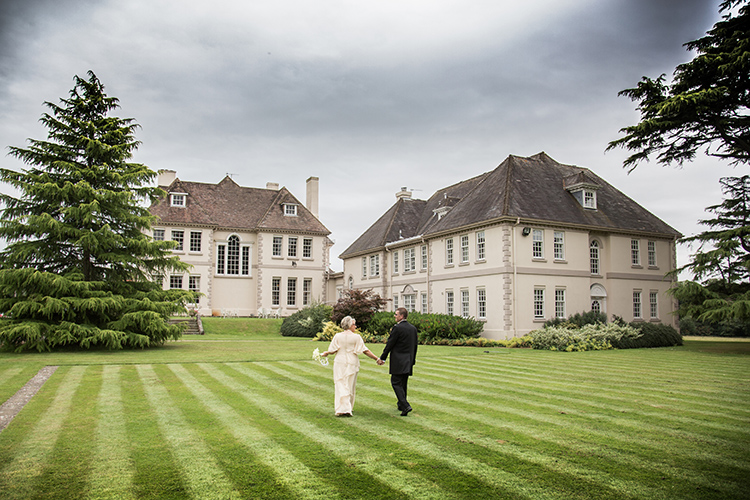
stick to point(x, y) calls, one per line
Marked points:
point(78, 269)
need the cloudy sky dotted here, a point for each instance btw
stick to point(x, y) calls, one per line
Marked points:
point(367, 96)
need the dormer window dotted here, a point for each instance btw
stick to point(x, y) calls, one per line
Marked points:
point(583, 186)
point(177, 199)
point(589, 198)
point(290, 210)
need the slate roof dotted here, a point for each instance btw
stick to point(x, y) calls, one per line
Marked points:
point(228, 205)
point(532, 189)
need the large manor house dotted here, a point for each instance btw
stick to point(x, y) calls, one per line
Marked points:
point(529, 241)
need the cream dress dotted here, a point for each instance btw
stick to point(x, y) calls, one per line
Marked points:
point(347, 345)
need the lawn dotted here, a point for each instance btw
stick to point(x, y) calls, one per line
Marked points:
point(250, 415)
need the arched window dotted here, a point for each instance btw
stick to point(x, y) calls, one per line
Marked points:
point(594, 255)
point(351, 283)
point(232, 257)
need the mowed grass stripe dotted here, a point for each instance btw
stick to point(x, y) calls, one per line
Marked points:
point(112, 465)
point(567, 436)
point(586, 400)
point(642, 375)
point(372, 463)
point(598, 425)
point(641, 387)
point(289, 471)
point(202, 474)
point(18, 477)
point(444, 453)
point(556, 464)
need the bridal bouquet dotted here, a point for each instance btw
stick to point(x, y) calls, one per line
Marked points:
point(320, 359)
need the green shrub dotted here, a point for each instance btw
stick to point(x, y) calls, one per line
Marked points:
point(330, 329)
point(651, 335)
point(429, 326)
point(579, 319)
point(306, 322)
point(587, 338)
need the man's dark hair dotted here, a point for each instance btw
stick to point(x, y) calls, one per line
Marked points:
point(402, 312)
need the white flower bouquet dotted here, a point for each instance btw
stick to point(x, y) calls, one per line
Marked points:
point(320, 359)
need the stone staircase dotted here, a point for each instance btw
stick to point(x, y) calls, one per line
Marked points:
point(194, 325)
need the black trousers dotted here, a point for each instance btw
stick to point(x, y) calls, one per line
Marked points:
point(399, 384)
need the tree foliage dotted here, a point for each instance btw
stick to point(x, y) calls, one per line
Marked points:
point(78, 267)
point(724, 250)
point(360, 305)
point(706, 106)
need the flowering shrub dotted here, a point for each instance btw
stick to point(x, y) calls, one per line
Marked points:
point(589, 337)
point(306, 322)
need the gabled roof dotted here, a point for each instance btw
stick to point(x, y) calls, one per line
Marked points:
point(532, 189)
point(231, 206)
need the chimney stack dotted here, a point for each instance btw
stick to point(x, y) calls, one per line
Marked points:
point(312, 195)
point(272, 185)
point(166, 177)
point(404, 193)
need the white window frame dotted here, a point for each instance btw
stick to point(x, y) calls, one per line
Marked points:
point(653, 302)
point(589, 198)
point(410, 302)
point(307, 244)
point(196, 241)
point(194, 285)
point(595, 258)
point(635, 252)
point(175, 282)
point(560, 303)
point(481, 303)
point(465, 305)
point(537, 243)
point(374, 265)
point(291, 246)
point(307, 291)
point(424, 303)
point(159, 234)
point(276, 291)
point(395, 262)
point(178, 235)
point(410, 259)
point(538, 303)
point(364, 268)
point(277, 246)
point(449, 302)
point(290, 210)
point(651, 245)
point(481, 246)
point(559, 245)
point(225, 265)
point(464, 248)
point(424, 260)
point(177, 200)
point(449, 252)
point(291, 292)
point(637, 304)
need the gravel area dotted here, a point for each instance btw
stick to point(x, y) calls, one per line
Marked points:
point(15, 403)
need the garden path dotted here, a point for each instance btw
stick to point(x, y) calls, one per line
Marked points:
point(15, 403)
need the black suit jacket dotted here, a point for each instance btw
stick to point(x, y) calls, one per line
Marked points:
point(402, 345)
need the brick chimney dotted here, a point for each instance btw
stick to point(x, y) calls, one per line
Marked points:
point(312, 195)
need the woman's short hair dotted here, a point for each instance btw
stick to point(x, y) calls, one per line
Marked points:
point(347, 322)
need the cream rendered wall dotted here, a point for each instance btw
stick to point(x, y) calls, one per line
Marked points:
point(234, 294)
point(509, 274)
point(201, 262)
point(269, 266)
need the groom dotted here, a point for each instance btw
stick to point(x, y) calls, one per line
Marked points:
point(402, 345)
